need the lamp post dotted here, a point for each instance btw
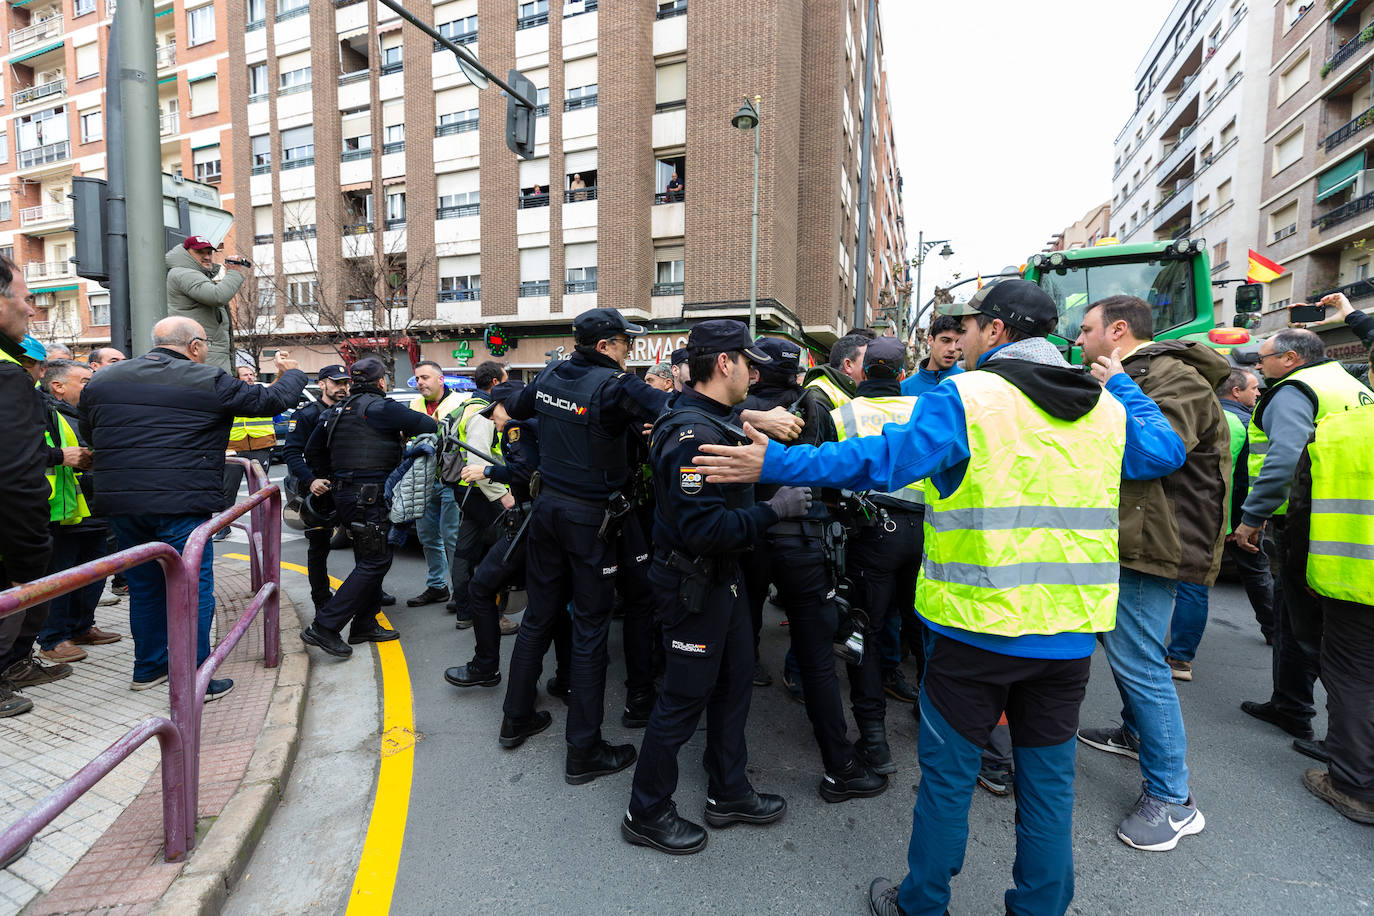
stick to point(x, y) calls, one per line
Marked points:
point(747, 118)
point(922, 249)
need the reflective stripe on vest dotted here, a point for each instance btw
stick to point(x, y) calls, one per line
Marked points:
point(834, 392)
point(867, 417)
point(447, 405)
point(1027, 543)
point(66, 503)
point(1335, 389)
point(1340, 555)
point(471, 408)
point(251, 428)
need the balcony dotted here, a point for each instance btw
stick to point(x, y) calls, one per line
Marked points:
point(169, 123)
point(358, 228)
point(455, 127)
point(586, 101)
point(357, 76)
point(460, 295)
point(576, 195)
point(166, 56)
point(1181, 154)
point(352, 155)
point(22, 38)
point(1177, 202)
point(530, 201)
point(669, 10)
point(301, 10)
point(296, 233)
point(534, 288)
point(45, 91)
point(529, 22)
point(1347, 51)
point(1360, 289)
point(1345, 212)
point(395, 146)
point(667, 289)
point(394, 66)
point(41, 155)
point(51, 270)
point(462, 38)
point(460, 210)
point(46, 215)
point(1348, 129)
point(573, 287)
point(298, 162)
point(670, 197)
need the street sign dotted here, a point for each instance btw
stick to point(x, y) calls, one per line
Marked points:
point(204, 216)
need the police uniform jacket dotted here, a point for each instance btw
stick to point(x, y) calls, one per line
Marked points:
point(520, 448)
point(383, 416)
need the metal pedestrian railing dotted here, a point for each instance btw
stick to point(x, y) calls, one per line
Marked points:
point(179, 736)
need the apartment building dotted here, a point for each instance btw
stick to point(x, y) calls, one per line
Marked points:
point(387, 212)
point(1085, 232)
point(52, 100)
point(1187, 160)
point(1317, 202)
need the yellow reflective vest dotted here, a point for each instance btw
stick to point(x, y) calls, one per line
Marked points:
point(66, 503)
point(1027, 543)
point(1333, 388)
point(249, 434)
point(450, 402)
point(469, 409)
point(866, 417)
point(1340, 554)
point(827, 386)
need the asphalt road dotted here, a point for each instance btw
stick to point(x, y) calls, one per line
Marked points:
point(491, 830)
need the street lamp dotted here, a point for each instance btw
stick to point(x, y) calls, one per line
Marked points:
point(747, 118)
point(922, 249)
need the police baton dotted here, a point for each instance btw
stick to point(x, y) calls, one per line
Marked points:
point(478, 452)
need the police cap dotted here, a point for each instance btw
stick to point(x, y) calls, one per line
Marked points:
point(334, 373)
point(785, 356)
point(599, 324)
point(367, 370)
point(724, 335)
point(679, 356)
point(500, 392)
point(885, 357)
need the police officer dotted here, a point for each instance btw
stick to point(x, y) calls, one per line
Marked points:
point(355, 450)
point(504, 563)
point(333, 382)
point(700, 532)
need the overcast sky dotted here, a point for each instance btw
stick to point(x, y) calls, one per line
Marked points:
point(1004, 114)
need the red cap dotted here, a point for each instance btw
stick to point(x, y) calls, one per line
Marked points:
point(196, 242)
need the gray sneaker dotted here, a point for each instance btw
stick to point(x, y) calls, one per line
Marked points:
point(1157, 826)
point(1112, 740)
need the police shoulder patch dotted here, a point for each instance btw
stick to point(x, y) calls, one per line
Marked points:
point(691, 480)
point(688, 432)
point(513, 434)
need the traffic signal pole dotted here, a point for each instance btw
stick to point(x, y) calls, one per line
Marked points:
point(142, 152)
point(116, 241)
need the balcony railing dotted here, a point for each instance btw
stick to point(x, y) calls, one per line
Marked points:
point(255, 24)
point(457, 295)
point(576, 195)
point(670, 197)
point(396, 222)
point(395, 146)
point(169, 123)
point(394, 66)
point(262, 168)
point(293, 89)
point(534, 288)
point(166, 56)
point(585, 101)
point(579, 286)
point(455, 127)
point(1345, 212)
point(532, 20)
point(463, 38)
point(667, 289)
point(262, 239)
point(1349, 129)
point(530, 201)
point(298, 162)
point(34, 93)
point(458, 211)
point(296, 233)
point(355, 76)
point(541, 111)
point(1360, 289)
point(46, 213)
point(52, 152)
point(1347, 51)
point(358, 304)
point(352, 155)
point(50, 270)
point(20, 38)
point(675, 9)
point(293, 13)
point(358, 228)
point(673, 105)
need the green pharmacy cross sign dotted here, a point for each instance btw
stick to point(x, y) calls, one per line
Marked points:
point(498, 342)
point(463, 353)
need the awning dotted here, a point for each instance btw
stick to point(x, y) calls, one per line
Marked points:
point(44, 50)
point(1340, 176)
point(356, 186)
point(54, 289)
point(167, 79)
point(204, 76)
point(1343, 10)
point(161, 13)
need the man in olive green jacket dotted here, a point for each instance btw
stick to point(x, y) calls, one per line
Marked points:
point(200, 289)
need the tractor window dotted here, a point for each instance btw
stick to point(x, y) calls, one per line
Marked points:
point(1166, 285)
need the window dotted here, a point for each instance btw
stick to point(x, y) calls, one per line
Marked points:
point(391, 53)
point(286, 7)
point(261, 146)
point(532, 14)
point(395, 208)
point(257, 10)
point(1362, 269)
point(1228, 133)
point(456, 122)
point(459, 194)
point(580, 268)
point(461, 288)
point(82, 7)
point(459, 31)
point(1224, 193)
point(206, 164)
point(580, 97)
point(301, 294)
point(668, 272)
point(200, 25)
point(257, 82)
point(267, 298)
point(1295, 77)
point(91, 126)
point(1233, 68)
point(204, 96)
point(298, 146)
point(1203, 206)
point(534, 272)
point(100, 308)
point(1288, 150)
point(357, 134)
point(1283, 222)
point(394, 138)
point(1218, 254)
point(581, 280)
point(5, 211)
point(88, 61)
point(296, 80)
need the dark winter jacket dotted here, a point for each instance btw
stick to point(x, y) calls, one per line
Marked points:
point(25, 544)
point(1174, 526)
point(159, 425)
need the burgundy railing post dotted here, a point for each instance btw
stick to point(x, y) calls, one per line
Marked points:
point(271, 558)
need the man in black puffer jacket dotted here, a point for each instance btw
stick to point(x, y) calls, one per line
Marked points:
point(159, 425)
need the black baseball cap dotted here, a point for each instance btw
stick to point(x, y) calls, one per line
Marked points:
point(334, 373)
point(1020, 304)
point(367, 369)
point(599, 324)
point(784, 355)
point(500, 392)
point(723, 335)
point(679, 356)
point(885, 357)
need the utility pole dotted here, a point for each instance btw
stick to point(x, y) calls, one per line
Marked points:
point(116, 239)
point(142, 153)
point(865, 179)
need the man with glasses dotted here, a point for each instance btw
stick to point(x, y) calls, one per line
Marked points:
point(1304, 387)
point(156, 486)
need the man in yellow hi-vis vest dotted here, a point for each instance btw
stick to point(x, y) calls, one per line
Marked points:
point(1304, 387)
point(1023, 461)
point(437, 529)
point(1331, 544)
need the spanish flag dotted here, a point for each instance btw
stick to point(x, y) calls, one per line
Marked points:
point(1262, 270)
point(980, 281)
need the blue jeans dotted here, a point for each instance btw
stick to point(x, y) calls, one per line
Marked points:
point(148, 589)
point(1190, 619)
point(438, 533)
point(1150, 710)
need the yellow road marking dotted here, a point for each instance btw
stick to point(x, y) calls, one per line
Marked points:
point(375, 881)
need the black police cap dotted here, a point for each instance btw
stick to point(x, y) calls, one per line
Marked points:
point(885, 357)
point(598, 324)
point(785, 355)
point(367, 369)
point(724, 335)
point(500, 392)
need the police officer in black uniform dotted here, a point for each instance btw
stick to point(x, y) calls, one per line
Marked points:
point(700, 532)
point(355, 450)
point(504, 563)
point(333, 382)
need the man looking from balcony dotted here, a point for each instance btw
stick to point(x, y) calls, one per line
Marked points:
point(200, 289)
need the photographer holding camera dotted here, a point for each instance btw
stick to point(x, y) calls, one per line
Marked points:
point(200, 289)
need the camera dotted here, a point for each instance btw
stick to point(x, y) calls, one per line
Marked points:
point(242, 262)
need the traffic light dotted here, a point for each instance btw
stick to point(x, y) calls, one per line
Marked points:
point(89, 200)
point(520, 118)
point(1249, 297)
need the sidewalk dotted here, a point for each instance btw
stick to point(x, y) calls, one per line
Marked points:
point(104, 853)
